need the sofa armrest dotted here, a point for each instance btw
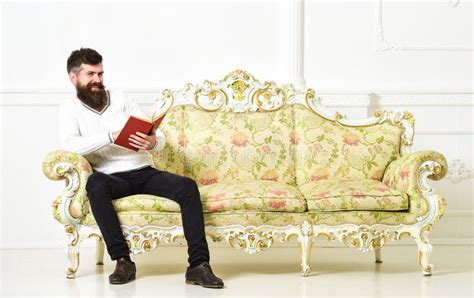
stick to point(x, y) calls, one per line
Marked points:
point(69, 207)
point(409, 174)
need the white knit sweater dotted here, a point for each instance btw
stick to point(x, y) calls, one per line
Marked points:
point(89, 133)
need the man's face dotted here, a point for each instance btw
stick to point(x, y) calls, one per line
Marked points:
point(89, 85)
point(91, 76)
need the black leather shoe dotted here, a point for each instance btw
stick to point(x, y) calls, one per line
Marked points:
point(124, 272)
point(202, 275)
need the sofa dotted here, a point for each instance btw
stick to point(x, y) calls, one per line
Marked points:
point(272, 164)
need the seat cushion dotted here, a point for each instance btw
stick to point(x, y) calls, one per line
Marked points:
point(144, 203)
point(352, 194)
point(257, 195)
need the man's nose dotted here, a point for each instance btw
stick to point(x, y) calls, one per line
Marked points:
point(96, 78)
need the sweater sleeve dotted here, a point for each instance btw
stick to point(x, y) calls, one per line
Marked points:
point(160, 141)
point(70, 137)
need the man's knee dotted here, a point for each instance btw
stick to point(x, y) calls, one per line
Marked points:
point(188, 186)
point(188, 183)
point(96, 182)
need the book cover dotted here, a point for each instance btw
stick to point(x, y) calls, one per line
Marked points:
point(136, 124)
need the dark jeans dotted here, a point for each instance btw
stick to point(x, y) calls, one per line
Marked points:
point(103, 188)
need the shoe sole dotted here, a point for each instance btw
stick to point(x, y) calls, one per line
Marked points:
point(192, 282)
point(132, 277)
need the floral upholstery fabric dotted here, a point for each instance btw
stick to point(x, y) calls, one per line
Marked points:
point(256, 195)
point(352, 194)
point(172, 156)
point(55, 165)
point(402, 175)
point(335, 218)
point(222, 146)
point(165, 219)
point(144, 203)
point(326, 149)
point(226, 196)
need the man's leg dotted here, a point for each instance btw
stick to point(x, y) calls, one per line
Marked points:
point(184, 191)
point(101, 190)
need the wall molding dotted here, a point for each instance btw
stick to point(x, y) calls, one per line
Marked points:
point(296, 62)
point(335, 98)
point(382, 43)
point(458, 172)
point(453, 3)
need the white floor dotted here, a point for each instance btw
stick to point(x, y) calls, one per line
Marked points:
point(336, 272)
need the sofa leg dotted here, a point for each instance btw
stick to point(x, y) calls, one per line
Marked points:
point(99, 253)
point(305, 243)
point(378, 255)
point(424, 253)
point(305, 240)
point(72, 252)
point(424, 250)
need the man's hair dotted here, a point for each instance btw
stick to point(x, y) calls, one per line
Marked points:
point(83, 55)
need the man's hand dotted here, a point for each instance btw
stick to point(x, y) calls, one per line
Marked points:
point(142, 141)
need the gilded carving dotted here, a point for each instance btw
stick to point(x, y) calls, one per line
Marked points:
point(364, 239)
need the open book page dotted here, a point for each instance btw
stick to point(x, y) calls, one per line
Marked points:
point(160, 108)
point(132, 109)
point(156, 118)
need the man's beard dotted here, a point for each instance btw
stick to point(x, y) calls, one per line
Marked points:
point(94, 99)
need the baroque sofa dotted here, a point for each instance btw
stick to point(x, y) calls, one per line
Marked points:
point(272, 164)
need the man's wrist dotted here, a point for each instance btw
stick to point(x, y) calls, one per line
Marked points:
point(156, 144)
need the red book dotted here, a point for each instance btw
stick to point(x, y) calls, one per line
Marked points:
point(135, 124)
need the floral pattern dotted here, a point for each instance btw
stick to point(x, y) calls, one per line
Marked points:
point(250, 218)
point(252, 195)
point(225, 147)
point(326, 149)
point(172, 157)
point(352, 194)
point(402, 175)
point(275, 168)
point(147, 203)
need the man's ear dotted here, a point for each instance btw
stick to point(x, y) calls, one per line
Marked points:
point(73, 78)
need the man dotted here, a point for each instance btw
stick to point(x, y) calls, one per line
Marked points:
point(89, 125)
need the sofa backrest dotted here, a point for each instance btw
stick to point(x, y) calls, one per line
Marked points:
point(326, 149)
point(242, 129)
point(172, 158)
point(224, 147)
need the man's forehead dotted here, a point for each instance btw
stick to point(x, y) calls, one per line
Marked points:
point(93, 68)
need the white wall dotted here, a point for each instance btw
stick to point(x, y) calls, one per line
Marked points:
point(359, 56)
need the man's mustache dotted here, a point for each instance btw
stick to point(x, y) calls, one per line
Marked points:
point(98, 85)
